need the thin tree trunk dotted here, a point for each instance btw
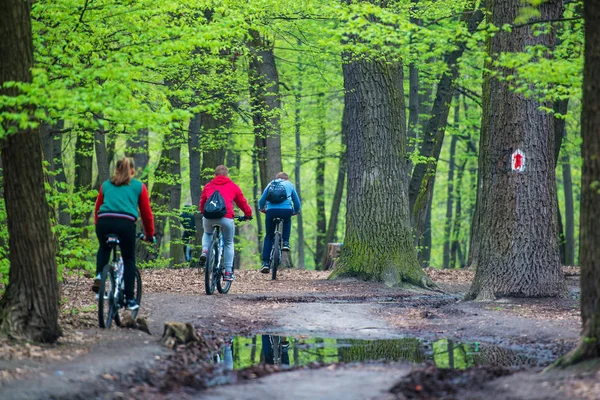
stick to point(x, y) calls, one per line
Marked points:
point(339, 192)
point(47, 137)
point(101, 157)
point(137, 148)
point(84, 150)
point(450, 199)
point(177, 254)
point(426, 242)
point(297, 175)
point(455, 248)
point(589, 250)
point(257, 193)
point(64, 216)
point(29, 308)
point(517, 254)
point(560, 107)
point(321, 231)
point(421, 183)
point(266, 106)
point(378, 243)
point(213, 143)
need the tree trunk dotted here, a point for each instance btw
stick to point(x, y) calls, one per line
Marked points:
point(567, 237)
point(455, 248)
point(64, 216)
point(47, 137)
point(413, 106)
point(589, 237)
point(177, 252)
point(378, 243)
point(297, 175)
point(517, 254)
point(560, 107)
point(137, 148)
point(421, 183)
point(101, 157)
point(425, 241)
point(29, 308)
point(257, 193)
point(450, 199)
point(266, 106)
point(213, 144)
point(195, 160)
point(321, 231)
point(84, 150)
point(339, 190)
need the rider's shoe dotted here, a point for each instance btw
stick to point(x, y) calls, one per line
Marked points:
point(286, 246)
point(96, 284)
point(131, 304)
point(228, 276)
point(203, 258)
point(265, 268)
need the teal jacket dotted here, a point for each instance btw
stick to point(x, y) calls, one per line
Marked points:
point(291, 203)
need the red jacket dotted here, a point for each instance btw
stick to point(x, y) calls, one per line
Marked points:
point(231, 193)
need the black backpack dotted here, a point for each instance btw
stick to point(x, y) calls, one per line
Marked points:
point(215, 207)
point(276, 192)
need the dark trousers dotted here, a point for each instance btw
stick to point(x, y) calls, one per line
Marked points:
point(125, 230)
point(267, 350)
point(286, 216)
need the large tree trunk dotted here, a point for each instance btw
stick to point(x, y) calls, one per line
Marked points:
point(297, 176)
point(214, 143)
point(321, 231)
point(378, 244)
point(517, 254)
point(421, 183)
point(589, 236)
point(29, 307)
point(266, 106)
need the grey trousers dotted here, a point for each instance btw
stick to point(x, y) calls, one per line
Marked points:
point(228, 230)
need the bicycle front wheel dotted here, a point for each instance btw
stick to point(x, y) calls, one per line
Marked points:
point(106, 297)
point(276, 256)
point(210, 270)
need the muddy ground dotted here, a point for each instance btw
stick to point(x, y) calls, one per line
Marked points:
point(511, 342)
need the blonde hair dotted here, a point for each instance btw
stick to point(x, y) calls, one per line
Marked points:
point(221, 170)
point(122, 174)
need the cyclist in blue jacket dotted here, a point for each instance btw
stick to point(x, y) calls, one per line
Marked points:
point(279, 200)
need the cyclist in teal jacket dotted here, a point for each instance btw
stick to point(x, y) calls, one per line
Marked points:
point(283, 208)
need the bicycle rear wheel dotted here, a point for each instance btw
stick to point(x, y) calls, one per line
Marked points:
point(137, 291)
point(106, 297)
point(210, 269)
point(275, 256)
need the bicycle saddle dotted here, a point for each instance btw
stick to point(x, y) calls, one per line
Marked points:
point(112, 238)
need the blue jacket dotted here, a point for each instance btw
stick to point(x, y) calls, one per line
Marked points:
point(292, 202)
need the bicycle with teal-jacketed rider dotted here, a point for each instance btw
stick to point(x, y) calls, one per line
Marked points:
point(116, 213)
point(279, 201)
point(216, 206)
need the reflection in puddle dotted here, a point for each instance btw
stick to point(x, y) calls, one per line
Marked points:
point(244, 352)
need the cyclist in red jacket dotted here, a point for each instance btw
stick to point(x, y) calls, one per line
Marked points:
point(116, 213)
point(231, 193)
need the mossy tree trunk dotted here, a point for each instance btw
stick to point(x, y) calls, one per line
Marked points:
point(29, 308)
point(589, 250)
point(515, 246)
point(320, 182)
point(378, 244)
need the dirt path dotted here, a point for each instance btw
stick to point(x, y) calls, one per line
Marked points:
point(304, 305)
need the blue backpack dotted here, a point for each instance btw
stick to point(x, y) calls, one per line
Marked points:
point(276, 192)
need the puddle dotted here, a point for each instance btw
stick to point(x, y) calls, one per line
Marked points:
point(244, 352)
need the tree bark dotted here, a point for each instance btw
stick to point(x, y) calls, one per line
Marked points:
point(321, 230)
point(517, 254)
point(177, 252)
point(257, 193)
point(101, 157)
point(560, 107)
point(425, 239)
point(213, 143)
point(266, 106)
point(589, 250)
point(449, 202)
point(378, 243)
point(298, 180)
point(84, 150)
point(64, 216)
point(29, 308)
point(195, 159)
point(455, 249)
point(339, 191)
point(137, 148)
point(421, 183)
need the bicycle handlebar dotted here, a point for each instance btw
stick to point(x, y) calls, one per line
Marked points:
point(243, 218)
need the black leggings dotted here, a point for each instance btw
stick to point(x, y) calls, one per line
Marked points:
point(125, 230)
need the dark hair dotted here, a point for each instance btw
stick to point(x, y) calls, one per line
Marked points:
point(221, 170)
point(122, 174)
point(282, 175)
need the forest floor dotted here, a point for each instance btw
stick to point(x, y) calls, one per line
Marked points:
point(349, 340)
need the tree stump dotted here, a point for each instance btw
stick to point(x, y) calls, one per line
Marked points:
point(332, 253)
